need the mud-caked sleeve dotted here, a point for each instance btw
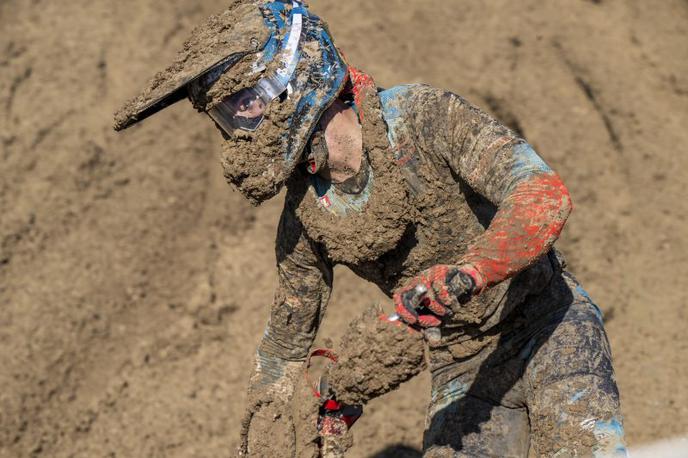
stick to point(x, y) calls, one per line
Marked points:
point(303, 290)
point(532, 201)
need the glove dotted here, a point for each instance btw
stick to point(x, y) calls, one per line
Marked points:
point(271, 389)
point(433, 294)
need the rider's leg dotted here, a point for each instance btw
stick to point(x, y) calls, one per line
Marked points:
point(480, 412)
point(460, 430)
point(573, 401)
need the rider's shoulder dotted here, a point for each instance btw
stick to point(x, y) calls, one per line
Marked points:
point(397, 98)
point(404, 92)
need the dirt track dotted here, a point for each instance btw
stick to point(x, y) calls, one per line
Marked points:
point(134, 284)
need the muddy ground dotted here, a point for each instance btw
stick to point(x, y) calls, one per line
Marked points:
point(134, 284)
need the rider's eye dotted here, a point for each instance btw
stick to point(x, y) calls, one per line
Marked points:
point(246, 103)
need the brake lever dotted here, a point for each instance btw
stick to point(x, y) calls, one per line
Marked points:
point(411, 300)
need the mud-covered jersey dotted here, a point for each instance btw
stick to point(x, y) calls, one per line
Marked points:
point(475, 194)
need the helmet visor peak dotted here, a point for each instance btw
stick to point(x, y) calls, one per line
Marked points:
point(245, 109)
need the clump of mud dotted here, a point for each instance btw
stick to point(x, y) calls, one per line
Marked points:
point(375, 357)
point(366, 235)
point(336, 446)
point(254, 161)
point(228, 36)
point(306, 408)
point(209, 90)
point(270, 427)
point(288, 427)
point(258, 163)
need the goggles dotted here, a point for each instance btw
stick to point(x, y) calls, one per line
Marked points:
point(245, 109)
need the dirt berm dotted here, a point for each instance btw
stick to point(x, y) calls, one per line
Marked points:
point(134, 284)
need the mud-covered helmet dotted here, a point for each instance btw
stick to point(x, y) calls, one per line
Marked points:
point(265, 72)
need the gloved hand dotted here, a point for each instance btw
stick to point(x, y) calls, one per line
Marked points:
point(434, 293)
point(267, 428)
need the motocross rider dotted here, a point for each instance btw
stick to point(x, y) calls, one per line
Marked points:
point(406, 186)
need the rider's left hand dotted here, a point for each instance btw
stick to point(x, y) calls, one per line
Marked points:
point(446, 286)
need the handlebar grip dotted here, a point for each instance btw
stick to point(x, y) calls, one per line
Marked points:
point(412, 298)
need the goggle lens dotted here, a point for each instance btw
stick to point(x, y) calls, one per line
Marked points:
point(243, 110)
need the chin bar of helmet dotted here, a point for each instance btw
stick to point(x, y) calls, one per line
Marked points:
point(272, 86)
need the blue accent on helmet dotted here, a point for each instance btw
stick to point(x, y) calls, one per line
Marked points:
point(314, 85)
point(271, 48)
point(277, 9)
point(274, 13)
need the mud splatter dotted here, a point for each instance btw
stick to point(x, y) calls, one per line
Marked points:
point(236, 32)
point(306, 407)
point(369, 234)
point(254, 162)
point(375, 357)
point(268, 425)
point(258, 163)
point(270, 428)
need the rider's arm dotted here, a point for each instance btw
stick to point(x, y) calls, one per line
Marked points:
point(305, 281)
point(532, 201)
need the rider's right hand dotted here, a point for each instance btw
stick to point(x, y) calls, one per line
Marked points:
point(271, 388)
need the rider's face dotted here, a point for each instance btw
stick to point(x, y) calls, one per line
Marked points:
point(248, 105)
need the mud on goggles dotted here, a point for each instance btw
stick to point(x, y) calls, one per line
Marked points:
point(245, 109)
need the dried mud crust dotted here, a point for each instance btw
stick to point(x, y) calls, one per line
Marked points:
point(269, 428)
point(258, 163)
point(206, 93)
point(286, 426)
point(360, 236)
point(254, 162)
point(237, 31)
point(375, 357)
point(305, 407)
